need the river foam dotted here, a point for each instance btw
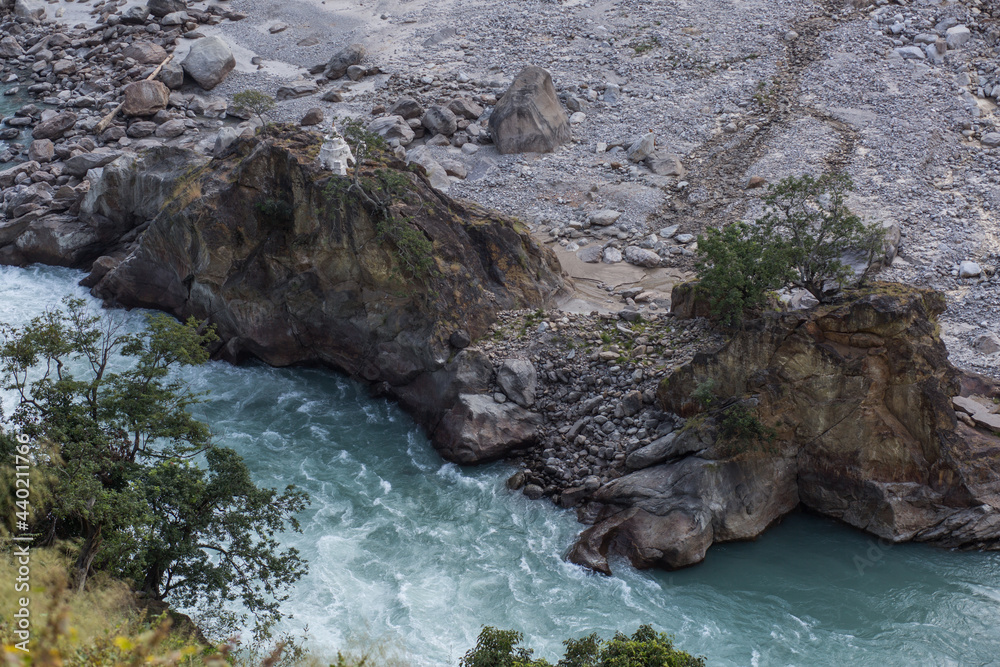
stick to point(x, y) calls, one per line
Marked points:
point(422, 553)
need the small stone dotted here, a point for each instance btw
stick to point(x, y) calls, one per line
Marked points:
point(911, 53)
point(756, 182)
point(355, 72)
point(969, 270)
point(577, 118)
point(684, 239)
point(987, 343)
point(277, 27)
point(591, 254)
point(957, 36)
point(533, 491)
point(990, 139)
point(642, 148)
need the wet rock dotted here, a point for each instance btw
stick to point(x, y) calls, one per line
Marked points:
point(478, 429)
point(209, 61)
point(529, 117)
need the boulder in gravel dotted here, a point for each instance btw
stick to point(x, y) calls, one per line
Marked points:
point(145, 53)
point(604, 217)
point(666, 165)
point(465, 108)
point(957, 36)
point(987, 343)
point(392, 127)
point(296, 89)
point(341, 60)
point(145, 98)
point(990, 139)
point(209, 61)
point(407, 107)
point(642, 148)
point(135, 15)
point(141, 129)
point(518, 380)
point(440, 120)
point(529, 117)
point(611, 255)
point(969, 270)
point(163, 7)
point(641, 257)
point(313, 117)
point(911, 53)
point(590, 255)
point(55, 127)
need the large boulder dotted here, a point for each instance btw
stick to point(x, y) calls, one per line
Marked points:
point(55, 127)
point(145, 98)
point(79, 165)
point(478, 429)
point(529, 117)
point(519, 380)
point(341, 60)
point(439, 119)
point(209, 61)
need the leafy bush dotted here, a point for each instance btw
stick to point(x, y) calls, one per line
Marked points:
point(645, 648)
point(802, 241)
point(257, 103)
point(739, 265)
point(741, 430)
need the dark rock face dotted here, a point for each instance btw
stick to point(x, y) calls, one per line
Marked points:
point(261, 245)
point(529, 117)
point(341, 60)
point(859, 397)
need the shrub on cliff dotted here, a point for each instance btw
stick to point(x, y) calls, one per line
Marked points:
point(804, 239)
point(645, 648)
point(111, 434)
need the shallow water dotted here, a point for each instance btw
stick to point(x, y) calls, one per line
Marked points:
point(8, 105)
point(421, 552)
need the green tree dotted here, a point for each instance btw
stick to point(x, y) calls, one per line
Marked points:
point(738, 266)
point(645, 648)
point(256, 102)
point(809, 218)
point(806, 239)
point(123, 445)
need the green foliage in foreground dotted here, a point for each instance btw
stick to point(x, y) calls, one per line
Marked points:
point(113, 467)
point(803, 240)
point(645, 648)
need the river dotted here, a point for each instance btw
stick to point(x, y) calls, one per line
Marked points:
point(422, 553)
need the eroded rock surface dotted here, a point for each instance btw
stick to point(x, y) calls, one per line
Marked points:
point(859, 397)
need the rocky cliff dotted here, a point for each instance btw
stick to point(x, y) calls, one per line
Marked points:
point(847, 410)
point(379, 276)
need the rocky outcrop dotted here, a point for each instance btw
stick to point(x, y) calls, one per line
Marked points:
point(293, 265)
point(529, 117)
point(847, 409)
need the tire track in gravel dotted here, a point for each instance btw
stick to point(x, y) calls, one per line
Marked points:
point(717, 169)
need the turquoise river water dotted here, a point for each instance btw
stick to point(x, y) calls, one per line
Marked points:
point(408, 548)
